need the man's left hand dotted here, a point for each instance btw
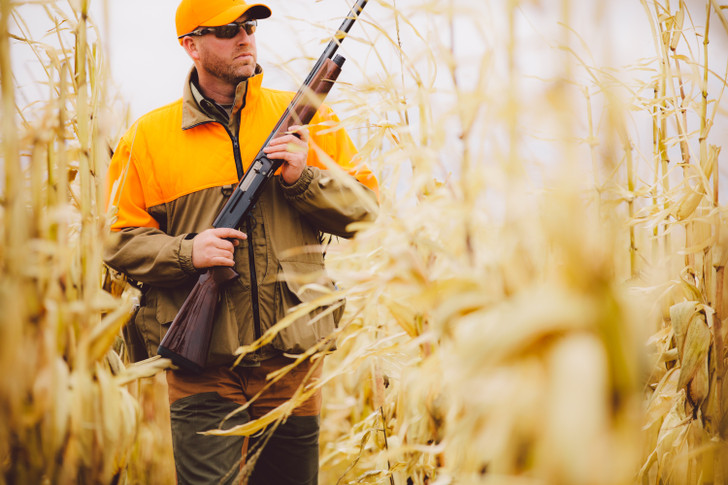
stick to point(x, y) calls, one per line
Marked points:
point(292, 148)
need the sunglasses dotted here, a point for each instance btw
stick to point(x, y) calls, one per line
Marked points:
point(226, 31)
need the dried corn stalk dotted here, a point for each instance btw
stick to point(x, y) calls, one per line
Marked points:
point(496, 329)
point(67, 415)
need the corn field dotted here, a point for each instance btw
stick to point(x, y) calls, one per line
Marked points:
point(543, 299)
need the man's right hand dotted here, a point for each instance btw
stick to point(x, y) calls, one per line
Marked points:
point(215, 247)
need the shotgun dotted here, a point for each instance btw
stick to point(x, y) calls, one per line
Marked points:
point(187, 341)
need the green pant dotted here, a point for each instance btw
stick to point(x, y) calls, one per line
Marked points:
point(201, 403)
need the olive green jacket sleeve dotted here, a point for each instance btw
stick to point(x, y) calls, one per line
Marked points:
point(150, 256)
point(331, 202)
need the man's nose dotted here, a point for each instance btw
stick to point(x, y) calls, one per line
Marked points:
point(242, 37)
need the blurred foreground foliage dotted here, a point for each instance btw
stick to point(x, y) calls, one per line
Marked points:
point(68, 412)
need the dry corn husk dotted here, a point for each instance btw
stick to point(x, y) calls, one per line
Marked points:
point(66, 417)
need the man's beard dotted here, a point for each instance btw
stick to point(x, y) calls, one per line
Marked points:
point(225, 70)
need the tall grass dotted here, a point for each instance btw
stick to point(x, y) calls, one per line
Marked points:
point(542, 300)
point(67, 413)
point(552, 308)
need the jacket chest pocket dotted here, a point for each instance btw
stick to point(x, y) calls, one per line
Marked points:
point(307, 306)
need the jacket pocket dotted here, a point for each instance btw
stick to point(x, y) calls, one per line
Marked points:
point(166, 307)
point(224, 340)
point(153, 318)
point(305, 295)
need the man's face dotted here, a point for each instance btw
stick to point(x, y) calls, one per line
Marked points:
point(230, 60)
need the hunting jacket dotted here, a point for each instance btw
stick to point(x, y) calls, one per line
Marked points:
point(169, 177)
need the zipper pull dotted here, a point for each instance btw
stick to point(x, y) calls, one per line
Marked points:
point(236, 156)
point(227, 190)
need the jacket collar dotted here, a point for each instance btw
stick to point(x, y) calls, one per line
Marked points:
point(196, 109)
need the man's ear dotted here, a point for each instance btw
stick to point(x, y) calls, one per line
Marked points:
point(190, 45)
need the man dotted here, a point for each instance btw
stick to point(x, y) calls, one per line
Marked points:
point(170, 175)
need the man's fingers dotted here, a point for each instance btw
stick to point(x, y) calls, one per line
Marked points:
point(222, 261)
point(223, 254)
point(228, 233)
point(225, 244)
point(284, 155)
point(297, 138)
point(288, 143)
point(215, 247)
point(292, 148)
point(299, 132)
point(218, 257)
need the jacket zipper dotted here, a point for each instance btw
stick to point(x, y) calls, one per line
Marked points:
point(253, 279)
point(251, 249)
point(236, 154)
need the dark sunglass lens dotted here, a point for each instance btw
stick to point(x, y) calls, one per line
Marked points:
point(227, 31)
point(250, 27)
point(231, 30)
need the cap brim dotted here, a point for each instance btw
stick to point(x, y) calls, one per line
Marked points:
point(257, 11)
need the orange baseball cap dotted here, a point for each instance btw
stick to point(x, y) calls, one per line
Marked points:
point(212, 13)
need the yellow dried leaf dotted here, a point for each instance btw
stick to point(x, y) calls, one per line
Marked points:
point(695, 351)
point(128, 419)
point(662, 398)
point(60, 411)
point(694, 195)
point(109, 410)
point(252, 427)
point(145, 368)
point(116, 365)
point(578, 367)
point(404, 316)
point(688, 204)
point(103, 335)
point(677, 28)
point(688, 285)
point(673, 432)
point(301, 310)
point(708, 164)
point(680, 316)
point(679, 18)
point(699, 386)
